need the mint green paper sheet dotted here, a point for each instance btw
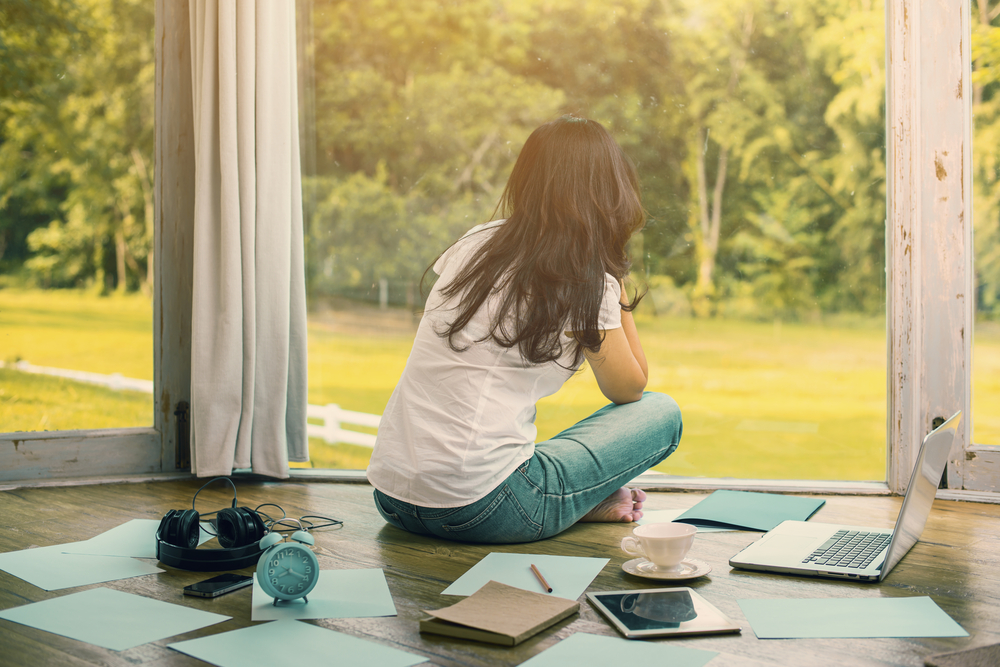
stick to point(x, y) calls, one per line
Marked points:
point(749, 510)
point(852, 617)
point(293, 644)
point(104, 557)
point(51, 569)
point(586, 650)
point(135, 538)
point(338, 594)
point(666, 516)
point(112, 619)
point(568, 576)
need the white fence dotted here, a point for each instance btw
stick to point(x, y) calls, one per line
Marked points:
point(333, 417)
point(331, 430)
point(114, 381)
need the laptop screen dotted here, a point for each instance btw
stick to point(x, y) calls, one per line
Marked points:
point(927, 471)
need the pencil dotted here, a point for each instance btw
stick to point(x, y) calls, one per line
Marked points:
point(545, 584)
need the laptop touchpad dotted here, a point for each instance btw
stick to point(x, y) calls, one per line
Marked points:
point(783, 547)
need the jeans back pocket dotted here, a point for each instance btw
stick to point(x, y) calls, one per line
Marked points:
point(502, 521)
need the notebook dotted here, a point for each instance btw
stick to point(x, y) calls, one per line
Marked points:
point(499, 614)
point(856, 552)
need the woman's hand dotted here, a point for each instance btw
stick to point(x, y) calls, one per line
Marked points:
point(620, 365)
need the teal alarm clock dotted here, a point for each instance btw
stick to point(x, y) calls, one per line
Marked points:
point(287, 570)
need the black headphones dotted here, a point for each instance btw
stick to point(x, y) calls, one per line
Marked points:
point(239, 530)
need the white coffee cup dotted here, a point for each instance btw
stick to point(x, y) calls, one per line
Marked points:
point(663, 544)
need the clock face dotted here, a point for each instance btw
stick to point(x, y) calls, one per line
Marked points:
point(288, 571)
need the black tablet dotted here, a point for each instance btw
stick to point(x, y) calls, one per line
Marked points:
point(657, 612)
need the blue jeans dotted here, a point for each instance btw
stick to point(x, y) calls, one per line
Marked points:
point(565, 478)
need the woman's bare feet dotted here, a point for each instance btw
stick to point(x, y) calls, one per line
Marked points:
point(622, 506)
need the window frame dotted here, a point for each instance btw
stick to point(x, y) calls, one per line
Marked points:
point(928, 121)
point(931, 304)
point(54, 457)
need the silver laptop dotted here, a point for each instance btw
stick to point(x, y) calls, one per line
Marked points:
point(815, 549)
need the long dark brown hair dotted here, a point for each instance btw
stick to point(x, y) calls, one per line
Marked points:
point(571, 204)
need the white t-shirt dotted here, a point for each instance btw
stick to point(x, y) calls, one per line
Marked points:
point(458, 423)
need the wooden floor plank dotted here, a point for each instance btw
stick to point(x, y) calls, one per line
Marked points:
point(957, 564)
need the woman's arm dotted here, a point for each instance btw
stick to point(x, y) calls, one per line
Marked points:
point(620, 365)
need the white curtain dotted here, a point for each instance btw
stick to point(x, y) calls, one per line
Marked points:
point(248, 338)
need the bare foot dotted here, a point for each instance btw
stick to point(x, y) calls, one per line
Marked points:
point(622, 506)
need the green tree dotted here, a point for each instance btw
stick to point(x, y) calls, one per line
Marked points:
point(77, 142)
point(757, 129)
point(417, 131)
point(610, 61)
point(751, 101)
point(850, 46)
point(986, 157)
point(32, 37)
point(779, 134)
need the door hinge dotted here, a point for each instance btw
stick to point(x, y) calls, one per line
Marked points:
point(182, 459)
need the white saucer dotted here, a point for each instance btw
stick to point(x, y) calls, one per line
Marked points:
point(689, 569)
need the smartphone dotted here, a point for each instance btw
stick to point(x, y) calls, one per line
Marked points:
point(220, 585)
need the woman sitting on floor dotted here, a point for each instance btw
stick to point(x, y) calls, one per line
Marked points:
point(519, 304)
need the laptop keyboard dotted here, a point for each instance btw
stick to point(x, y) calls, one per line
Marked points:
point(849, 548)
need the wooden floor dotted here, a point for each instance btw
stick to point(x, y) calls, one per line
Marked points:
point(957, 564)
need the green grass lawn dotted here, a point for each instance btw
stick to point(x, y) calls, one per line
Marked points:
point(42, 403)
point(79, 331)
point(759, 400)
